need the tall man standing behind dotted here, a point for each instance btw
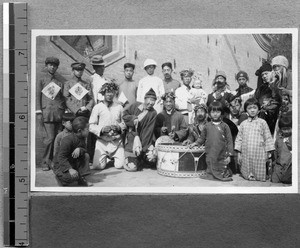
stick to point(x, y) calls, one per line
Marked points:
point(50, 106)
point(78, 93)
point(170, 84)
point(128, 86)
point(151, 81)
point(97, 78)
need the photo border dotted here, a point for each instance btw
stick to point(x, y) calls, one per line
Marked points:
point(166, 190)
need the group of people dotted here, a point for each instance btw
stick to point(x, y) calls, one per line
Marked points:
point(247, 131)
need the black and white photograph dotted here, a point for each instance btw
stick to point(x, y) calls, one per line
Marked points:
point(164, 111)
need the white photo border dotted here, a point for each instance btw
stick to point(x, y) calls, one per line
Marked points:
point(165, 190)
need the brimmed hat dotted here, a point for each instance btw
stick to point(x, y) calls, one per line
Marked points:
point(78, 66)
point(149, 62)
point(52, 60)
point(97, 60)
point(242, 74)
point(265, 67)
point(280, 60)
point(150, 94)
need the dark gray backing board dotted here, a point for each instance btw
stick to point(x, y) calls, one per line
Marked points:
point(160, 221)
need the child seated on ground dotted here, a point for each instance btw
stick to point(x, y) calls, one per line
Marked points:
point(72, 160)
point(218, 143)
point(67, 119)
point(282, 171)
point(253, 143)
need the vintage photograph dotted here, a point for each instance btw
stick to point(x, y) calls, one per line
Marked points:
point(164, 111)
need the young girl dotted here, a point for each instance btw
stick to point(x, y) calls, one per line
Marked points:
point(218, 143)
point(254, 143)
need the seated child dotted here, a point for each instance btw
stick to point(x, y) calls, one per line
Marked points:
point(282, 171)
point(218, 143)
point(72, 160)
point(67, 119)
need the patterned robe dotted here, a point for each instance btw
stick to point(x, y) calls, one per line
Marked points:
point(254, 140)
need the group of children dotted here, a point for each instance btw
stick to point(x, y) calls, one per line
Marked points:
point(234, 126)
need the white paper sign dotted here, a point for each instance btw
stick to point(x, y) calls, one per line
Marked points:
point(78, 91)
point(51, 90)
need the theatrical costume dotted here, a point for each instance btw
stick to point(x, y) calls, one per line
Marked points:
point(108, 144)
point(171, 119)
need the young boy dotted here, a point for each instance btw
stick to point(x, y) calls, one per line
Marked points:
point(217, 138)
point(72, 161)
point(151, 81)
point(282, 171)
point(170, 84)
point(67, 120)
point(128, 87)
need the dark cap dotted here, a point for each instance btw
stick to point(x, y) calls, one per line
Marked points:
point(242, 74)
point(52, 60)
point(151, 94)
point(78, 66)
point(221, 73)
point(97, 60)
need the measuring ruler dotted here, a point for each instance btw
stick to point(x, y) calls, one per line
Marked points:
point(15, 125)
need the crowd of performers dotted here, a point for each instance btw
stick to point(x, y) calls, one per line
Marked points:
point(246, 131)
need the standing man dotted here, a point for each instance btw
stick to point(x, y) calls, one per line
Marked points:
point(97, 78)
point(242, 79)
point(184, 98)
point(78, 93)
point(170, 84)
point(151, 81)
point(268, 98)
point(107, 124)
point(128, 86)
point(220, 92)
point(50, 105)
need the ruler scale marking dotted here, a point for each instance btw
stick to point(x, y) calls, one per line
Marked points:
point(15, 124)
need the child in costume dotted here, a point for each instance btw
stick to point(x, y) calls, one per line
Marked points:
point(217, 138)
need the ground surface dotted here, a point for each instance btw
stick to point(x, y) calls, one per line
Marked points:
point(112, 177)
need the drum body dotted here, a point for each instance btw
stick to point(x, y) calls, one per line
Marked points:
point(175, 160)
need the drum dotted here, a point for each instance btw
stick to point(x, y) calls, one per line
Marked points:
point(176, 160)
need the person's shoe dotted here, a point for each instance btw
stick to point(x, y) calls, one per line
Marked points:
point(84, 182)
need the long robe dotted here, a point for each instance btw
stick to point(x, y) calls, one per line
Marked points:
point(218, 146)
point(254, 140)
point(145, 128)
point(175, 119)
